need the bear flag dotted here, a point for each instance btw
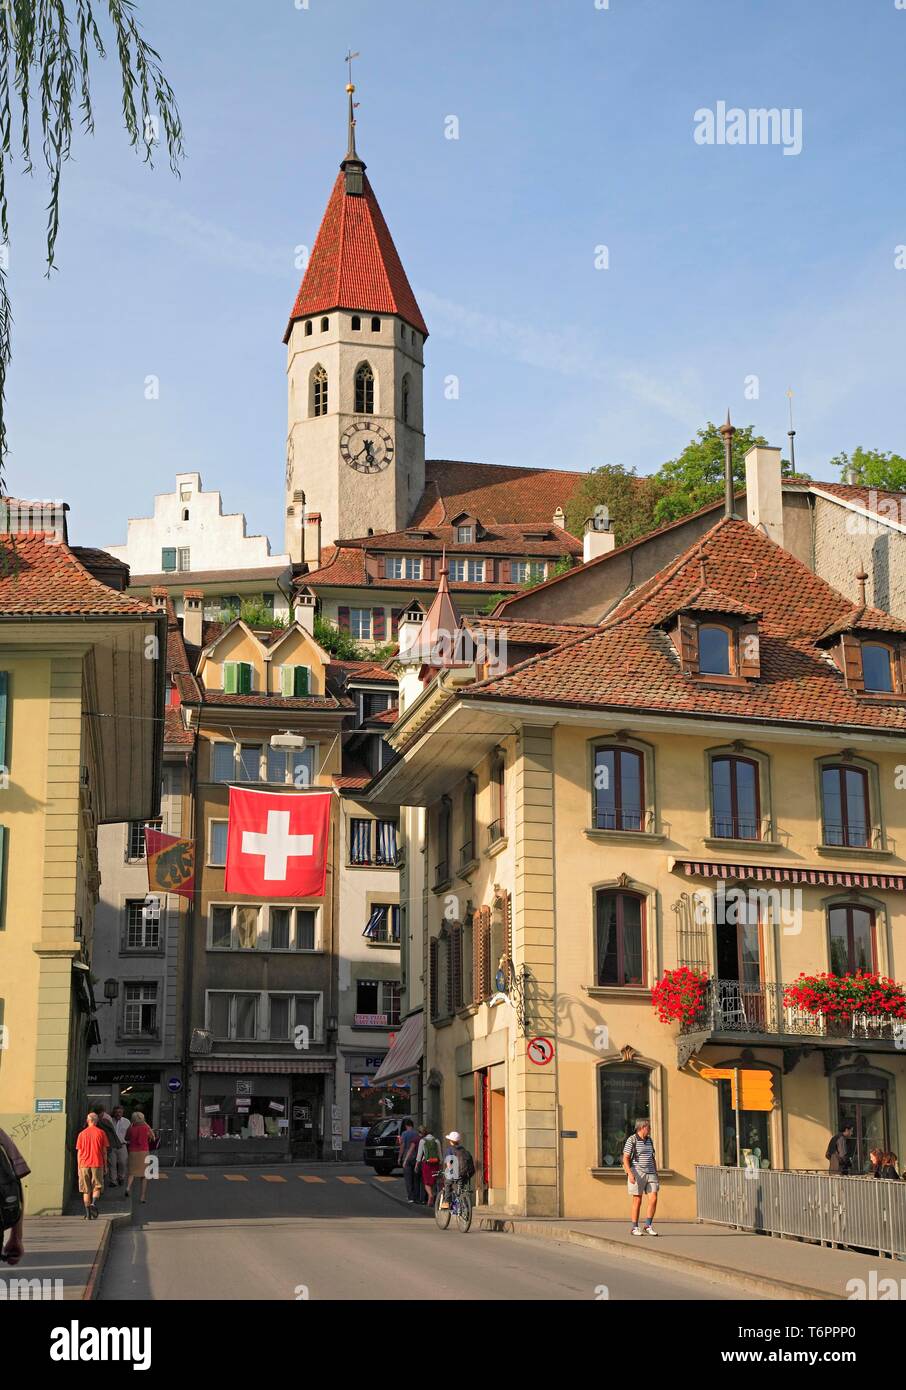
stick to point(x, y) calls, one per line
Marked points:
point(277, 843)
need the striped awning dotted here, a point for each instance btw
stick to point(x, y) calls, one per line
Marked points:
point(270, 1066)
point(776, 873)
point(405, 1054)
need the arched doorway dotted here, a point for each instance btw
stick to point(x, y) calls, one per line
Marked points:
point(863, 1101)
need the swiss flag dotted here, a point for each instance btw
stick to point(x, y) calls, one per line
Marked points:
point(277, 843)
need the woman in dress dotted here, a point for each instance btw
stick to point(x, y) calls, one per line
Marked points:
point(139, 1138)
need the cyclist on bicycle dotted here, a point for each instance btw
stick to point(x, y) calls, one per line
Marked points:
point(458, 1165)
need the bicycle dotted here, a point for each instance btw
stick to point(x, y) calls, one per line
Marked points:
point(460, 1206)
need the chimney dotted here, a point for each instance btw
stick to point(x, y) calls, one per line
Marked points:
point(410, 626)
point(311, 539)
point(598, 539)
point(560, 518)
point(192, 615)
point(764, 492)
point(159, 596)
point(305, 610)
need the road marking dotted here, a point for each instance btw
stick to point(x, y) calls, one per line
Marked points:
point(196, 1177)
point(235, 1177)
point(348, 1179)
point(308, 1177)
point(271, 1177)
point(384, 1177)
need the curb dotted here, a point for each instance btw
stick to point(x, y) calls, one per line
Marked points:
point(400, 1201)
point(719, 1274)
point(100, 1257)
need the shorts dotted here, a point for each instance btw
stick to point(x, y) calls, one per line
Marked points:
point(644, 1185)
point(91, 1180)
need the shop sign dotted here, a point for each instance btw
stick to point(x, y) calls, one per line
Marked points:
point(243, 1088)
point(370, 1020)
point(124, 1078)
point(361, 1061)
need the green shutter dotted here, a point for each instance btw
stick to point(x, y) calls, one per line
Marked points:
point(286, 680)
point(245, 678)
point(4, 688)
point(229, 678)
point(301, 680)
point(168, 558)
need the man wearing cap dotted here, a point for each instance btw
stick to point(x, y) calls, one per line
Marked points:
point(458, 1165)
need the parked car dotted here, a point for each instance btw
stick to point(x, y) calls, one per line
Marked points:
point(382, 1144)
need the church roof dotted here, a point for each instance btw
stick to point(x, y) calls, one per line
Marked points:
point(354, 263)
point(495, 493)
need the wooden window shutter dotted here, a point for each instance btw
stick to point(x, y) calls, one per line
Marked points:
point(379, 624)
point(4, 693)
point(899, 674)
point(508, 935)
point(504, 572)
point(484, 968)
point(749, 652)
point(687, 643)
point(428, 567)
point(432, 977)
point(447, 945)
point(301, 680)
point(476, 956)
point(851, 649)
point(286, 680)
point(230, 680)
point(343, 619)
point(395, 615)
point(245, 678)
point(456, 1000)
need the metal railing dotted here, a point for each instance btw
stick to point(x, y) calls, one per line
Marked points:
point(862, 1212)
point(735, 1006)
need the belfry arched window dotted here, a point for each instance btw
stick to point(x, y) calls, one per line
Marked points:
point(364, 390)
point(319, 391)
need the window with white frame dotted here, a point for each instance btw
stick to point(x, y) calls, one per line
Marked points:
point(404, 567)
point(293, 766)
point(360, 624)
point(140, 1009)
point(223, 761)
point(377, 1003)
point(467, 571)
point(465, 535)
point(254, 927)
point(217, 842)
point(182, 556)
point(142, 927)
point(237, 1016)
point(528, 571)
point(383, 925)
point(136, 847)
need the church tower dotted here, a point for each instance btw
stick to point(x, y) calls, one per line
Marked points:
point(355, 360)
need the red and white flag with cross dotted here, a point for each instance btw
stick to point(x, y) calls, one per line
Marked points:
point(277, 843)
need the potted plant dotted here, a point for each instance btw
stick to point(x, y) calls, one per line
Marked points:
point(836, 998)
point(680, 996)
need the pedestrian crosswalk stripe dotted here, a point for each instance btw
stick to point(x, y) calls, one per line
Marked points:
point(235, 1177)
point(349, 1179)
point(309, 1177)
point(384, 1177)
point(196, 1177)
point(271, 1177)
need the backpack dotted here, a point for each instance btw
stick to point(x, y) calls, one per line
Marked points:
point(468, 1164)
point(10, 1193)
point(633, 1152)
point(432, 1151)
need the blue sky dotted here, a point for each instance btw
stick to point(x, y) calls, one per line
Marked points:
point(576, 131)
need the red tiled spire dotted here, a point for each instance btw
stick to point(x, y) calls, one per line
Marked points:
point(354, 264)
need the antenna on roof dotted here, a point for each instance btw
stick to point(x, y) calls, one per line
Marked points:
point(791, 433)
point(728, 430)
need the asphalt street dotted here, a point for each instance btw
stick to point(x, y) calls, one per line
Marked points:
point(325, 1232)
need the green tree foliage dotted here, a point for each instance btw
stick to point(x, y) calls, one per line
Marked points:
point(46, 47)
point(618, 496)
point(873, 468)
point(696, 476)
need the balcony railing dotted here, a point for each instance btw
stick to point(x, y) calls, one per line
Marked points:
point(735, 1006)
point(609, 818)
point(441, 872)
point(495, 832)
point(466, 854)
point(735, 828)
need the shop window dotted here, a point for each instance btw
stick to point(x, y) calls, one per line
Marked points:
point(250, 1116)
point(735, 801)
point(754, 1133)
point(845, 806)
point(624, 1098)
point(369, 1105)
point(851, 933)
point(620, 939)
point(863, 1102)
point(619, 789)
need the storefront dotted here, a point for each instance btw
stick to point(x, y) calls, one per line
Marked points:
point(367, 1103)
point(148, 1089)
point(400, 1073)
point(260, 1111)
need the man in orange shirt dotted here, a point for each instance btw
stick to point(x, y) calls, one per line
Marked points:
point(91, 1151)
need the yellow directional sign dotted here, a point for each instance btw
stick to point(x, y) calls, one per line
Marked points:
point(756, 1088)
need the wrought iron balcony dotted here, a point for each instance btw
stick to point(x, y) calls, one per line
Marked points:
point(735, 1008)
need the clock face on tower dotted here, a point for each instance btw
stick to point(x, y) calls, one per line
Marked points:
point(367, 447)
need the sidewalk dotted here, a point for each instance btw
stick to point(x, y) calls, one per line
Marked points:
point(67, 1249)
point(764, 1265)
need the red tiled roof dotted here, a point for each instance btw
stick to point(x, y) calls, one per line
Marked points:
point(174, 729)
point(504, 539)
point(891, 505)
point(276, 703)
point(343, 567)
point(362, 671)
point(494, 493)
point(385, 716)
point(631, 663)
point(862, 618)
point(39, 574)
point(354, 263)
point(530, 633)
point(708, 600)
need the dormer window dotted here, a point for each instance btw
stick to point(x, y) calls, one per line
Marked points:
point(465, 535)
point(878, 668)
point(237, 678)
point(715, 651)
